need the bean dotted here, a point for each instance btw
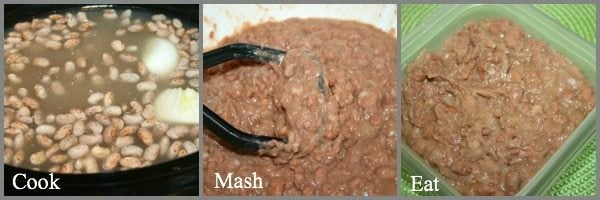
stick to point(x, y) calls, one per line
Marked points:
point(110, 14)
point(148, 112)
point(130, 162)
point(46, 79)
point(151, 152)
point(50, 118)
point(69, 67)
point(71, 20)
point(19, 141)
point(58, 158)
point(135, 28)
point(148, 97)
point(120, 32)
point(93, 109)
point(193, 47)
point(128, 58)
point(178, 131)
point(71, 43)
point(146, 136)
point(132, 150)
point(67, 142)
point(126, 14)
point(53, 70)
point(190, 146)
point(82, 17)
point(182, 152)
point(90, 165)
point(44, 141)
point(8, 153)
point(195, 83)
point(111, 161)
point(17, 67)
point(112, 111)
point(102, 119)
point(108, 98)
point(164, 145)
point(41, 62)
point(22, 92)
point(52, 150)
point(31, 103)
point(177, 23)
point(90, 139)
point(18, 158)
point(151, 26)
point(95, 127)
point(127, 130)
point(136, 107)
point(118, 123)
point(51, 44)
point(81, 62)
point(78, 151)
point(78, 114)
point(78, 128)
point(63, 132)
point(109, 134)
point(113, 73)
point(117, 45)
point(40, 91)
point(22, 26)
point(123, 141)
point(95, 97)
point(45, 129)
point(63, 119)
point(132, 119)
point(174, 149)
point(43, 31)
point(159, 17)
point(100, 152)
point(146, 86)
point(67, 168)
point(14, 79)
point(38, 158)
point(129, 77)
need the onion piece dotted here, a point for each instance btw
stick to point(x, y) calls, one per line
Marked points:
point(160, 57)
point(177, 105)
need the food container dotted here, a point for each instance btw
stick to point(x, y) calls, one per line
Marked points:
point(447, 20)
point(174, 177)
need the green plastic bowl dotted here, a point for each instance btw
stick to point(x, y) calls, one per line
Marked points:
point(446, 21)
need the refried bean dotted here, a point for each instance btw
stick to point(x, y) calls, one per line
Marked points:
point(491, 106)
point(333, 100)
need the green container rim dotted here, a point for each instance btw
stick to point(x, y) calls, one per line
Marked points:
point(446, 20)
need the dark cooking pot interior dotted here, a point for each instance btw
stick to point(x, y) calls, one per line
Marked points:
point(175, 177)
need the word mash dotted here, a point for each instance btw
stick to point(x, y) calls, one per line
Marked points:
point(253, 181)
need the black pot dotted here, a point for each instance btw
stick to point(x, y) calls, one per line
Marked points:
point(176, 177)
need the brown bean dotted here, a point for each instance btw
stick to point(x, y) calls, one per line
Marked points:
point(90, 139)
point(78, 151)
point(67, 142)
point(78, 128)
point(44, 141)
point(38, 158)
point(58, 158)
point(45, 129)
point(63, 131)
point(111, 161)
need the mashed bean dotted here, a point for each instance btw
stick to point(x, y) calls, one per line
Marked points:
point(341, 138)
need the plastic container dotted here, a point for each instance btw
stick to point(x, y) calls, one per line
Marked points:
point(447, 20)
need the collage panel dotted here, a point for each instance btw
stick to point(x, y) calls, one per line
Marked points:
point(498, 100)
point(299, 100)
point(101, 100)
